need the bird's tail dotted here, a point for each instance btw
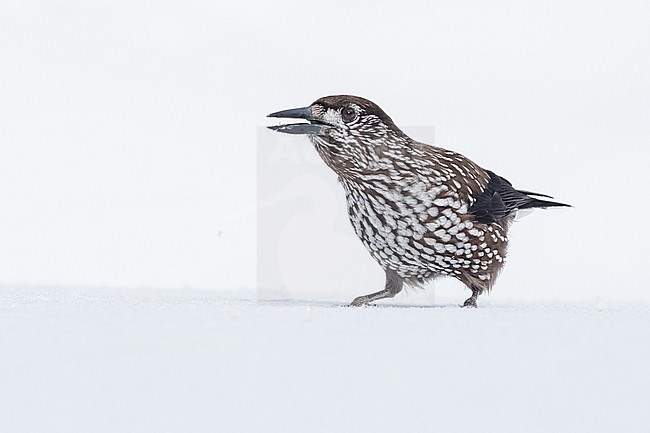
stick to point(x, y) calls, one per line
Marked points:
point(534, 202)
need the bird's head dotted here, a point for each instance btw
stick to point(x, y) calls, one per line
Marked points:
point(347, 131)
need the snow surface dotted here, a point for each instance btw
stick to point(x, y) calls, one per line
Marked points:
point(108, 360)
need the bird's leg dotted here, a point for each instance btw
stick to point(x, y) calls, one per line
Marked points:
point(471, 301)
point(394, 285)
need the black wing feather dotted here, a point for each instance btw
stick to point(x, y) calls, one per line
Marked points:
point(499, 200)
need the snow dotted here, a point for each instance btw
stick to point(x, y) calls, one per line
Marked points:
point(110, 360)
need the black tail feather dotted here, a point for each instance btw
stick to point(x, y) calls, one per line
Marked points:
point(537, 203)
point(536, 194)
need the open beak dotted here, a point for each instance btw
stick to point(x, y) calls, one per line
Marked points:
point(316, 127)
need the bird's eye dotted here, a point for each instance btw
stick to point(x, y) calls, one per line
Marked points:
point(348, 114)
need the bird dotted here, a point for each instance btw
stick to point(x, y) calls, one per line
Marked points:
point(421, 211)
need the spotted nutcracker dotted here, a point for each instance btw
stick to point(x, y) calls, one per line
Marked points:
point(421, 211)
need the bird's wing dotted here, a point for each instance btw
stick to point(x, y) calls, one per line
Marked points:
point(489, 206)
point(499, 200)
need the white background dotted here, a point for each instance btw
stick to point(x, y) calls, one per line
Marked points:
point(129, 166)
point(129, 130)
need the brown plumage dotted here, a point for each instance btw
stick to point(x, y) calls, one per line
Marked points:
point(421, 211)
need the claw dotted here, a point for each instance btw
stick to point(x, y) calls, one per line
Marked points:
point(359, 302)
point(471, 302)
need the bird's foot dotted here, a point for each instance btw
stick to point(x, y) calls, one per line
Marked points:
point(361, 301)
point(470, 302)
